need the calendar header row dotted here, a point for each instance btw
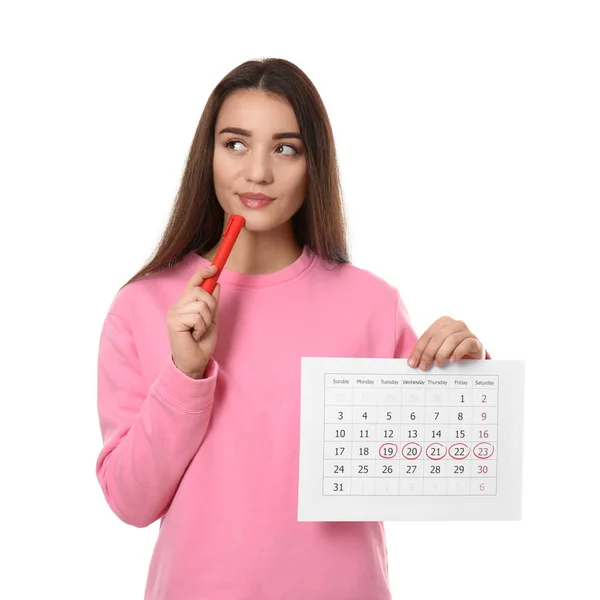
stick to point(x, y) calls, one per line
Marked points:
point(334, 380)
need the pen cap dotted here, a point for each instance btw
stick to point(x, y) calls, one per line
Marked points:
point(234, 225)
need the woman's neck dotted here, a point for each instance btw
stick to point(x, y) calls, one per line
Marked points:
point(260, 253)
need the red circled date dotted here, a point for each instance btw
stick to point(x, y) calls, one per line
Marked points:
point(435, 453)
point(483, 450)
point(411, 451)
point(388, 450)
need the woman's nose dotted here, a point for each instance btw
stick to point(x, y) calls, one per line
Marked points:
point(259, 168)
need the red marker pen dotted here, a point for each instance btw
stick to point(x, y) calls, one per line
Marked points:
point(230, 235)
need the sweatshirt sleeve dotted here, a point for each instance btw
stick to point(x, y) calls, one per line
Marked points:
point(149, 435)
point(405, 336)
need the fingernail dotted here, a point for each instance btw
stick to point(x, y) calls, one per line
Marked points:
point(423, 365)
point(412, 361)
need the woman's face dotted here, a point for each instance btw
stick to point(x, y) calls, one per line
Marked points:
point(267, 157)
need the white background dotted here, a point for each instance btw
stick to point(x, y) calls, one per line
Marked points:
point(468, 137)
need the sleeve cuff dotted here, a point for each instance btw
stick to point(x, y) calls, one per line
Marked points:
point(187, 393)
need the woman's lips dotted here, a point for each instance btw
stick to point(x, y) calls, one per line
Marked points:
point(255, 200)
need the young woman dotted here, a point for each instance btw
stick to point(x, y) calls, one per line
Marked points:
point(199, 394)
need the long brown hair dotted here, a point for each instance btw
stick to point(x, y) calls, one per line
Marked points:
point(197, 219)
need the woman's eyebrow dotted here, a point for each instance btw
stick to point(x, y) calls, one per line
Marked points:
point(247, 133)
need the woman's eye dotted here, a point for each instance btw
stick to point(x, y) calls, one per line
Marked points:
point(293, 150)
point(232, 142)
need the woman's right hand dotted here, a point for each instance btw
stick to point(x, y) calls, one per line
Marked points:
point(192, 325)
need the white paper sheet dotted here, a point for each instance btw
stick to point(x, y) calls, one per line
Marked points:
point(381, 441)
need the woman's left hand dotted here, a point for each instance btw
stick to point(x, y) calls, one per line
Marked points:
point(446, 339)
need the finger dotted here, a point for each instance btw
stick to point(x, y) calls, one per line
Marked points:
point(209, 316)
point(204, 303)
point(199, 276)
point(431, 341)
point(190, 318)
point(201, 295)
point(205, 320)
point(415, 356)
point(199, 307)
point(448, 346)
point(189, 314)
point(469, 346)
point(216, 296)
point(428, 355)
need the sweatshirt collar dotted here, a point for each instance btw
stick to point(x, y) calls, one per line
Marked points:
point(194, 262)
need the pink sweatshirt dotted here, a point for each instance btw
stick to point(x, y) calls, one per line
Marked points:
point(216, 459)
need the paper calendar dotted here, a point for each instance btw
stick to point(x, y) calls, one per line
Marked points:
point(381, 441)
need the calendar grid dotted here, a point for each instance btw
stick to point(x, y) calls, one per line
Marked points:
point(358, 475)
